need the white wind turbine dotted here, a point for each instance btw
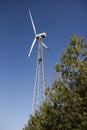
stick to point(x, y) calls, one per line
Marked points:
point(40, 82)
point(37, 36)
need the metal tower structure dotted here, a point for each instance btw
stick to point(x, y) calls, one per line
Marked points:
point(40, 82)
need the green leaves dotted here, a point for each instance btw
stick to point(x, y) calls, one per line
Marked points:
point(65, 107)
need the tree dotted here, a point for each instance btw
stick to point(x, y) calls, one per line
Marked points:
point(73, 65)
point(66, 105)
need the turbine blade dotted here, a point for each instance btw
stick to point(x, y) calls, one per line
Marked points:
point(44, 45)
point(32, 47)
point(32, 22)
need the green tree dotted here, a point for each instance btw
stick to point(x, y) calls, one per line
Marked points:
point(73, 64)
point(66, 105)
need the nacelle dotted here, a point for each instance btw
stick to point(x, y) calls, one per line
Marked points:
point(41, 35)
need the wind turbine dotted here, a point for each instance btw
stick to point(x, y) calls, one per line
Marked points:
point(40, 82)
point(37, 36)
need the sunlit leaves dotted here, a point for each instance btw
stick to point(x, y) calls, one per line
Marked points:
point(65, 107)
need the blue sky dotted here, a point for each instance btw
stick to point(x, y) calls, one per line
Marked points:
point(59, 19)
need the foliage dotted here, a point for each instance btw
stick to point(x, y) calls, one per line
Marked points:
point(65, 107)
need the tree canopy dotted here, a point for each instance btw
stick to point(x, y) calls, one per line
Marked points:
point(65, 107)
